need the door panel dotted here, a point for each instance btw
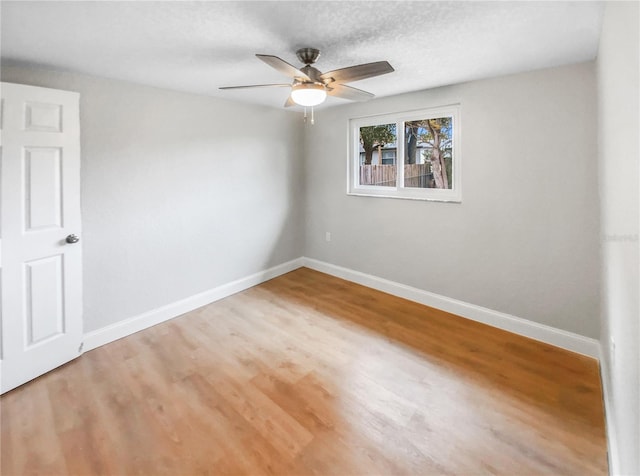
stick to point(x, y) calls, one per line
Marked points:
point(42, 188)
point(44, 299)
point(43, 117)
point(41, 274)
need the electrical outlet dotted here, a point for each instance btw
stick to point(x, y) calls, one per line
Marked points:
point(327, 236)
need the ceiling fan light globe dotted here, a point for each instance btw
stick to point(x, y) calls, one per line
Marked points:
point(308, 94)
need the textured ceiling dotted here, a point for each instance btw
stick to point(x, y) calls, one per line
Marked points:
point(200, 46)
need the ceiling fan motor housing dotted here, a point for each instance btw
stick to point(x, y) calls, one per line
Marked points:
point(313, 74)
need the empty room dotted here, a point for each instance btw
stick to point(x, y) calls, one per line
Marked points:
point(319, 238)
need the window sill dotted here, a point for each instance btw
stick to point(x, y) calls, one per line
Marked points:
point(405, 197)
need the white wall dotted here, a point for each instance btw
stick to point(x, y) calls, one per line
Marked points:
point(180, 193)
point(524, 240)
point(618, 105)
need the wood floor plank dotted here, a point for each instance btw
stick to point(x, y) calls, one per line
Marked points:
point(308, 374)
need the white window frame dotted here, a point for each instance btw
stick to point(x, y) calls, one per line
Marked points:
point(400, 191)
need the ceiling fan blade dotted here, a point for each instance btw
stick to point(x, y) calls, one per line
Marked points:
point(258, 86)
point(283, 67)
point(355, 73)
point(347, 92)
point(289, 102)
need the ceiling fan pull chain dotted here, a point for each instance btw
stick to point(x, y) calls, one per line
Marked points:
point(312, 119)
point(305, 115)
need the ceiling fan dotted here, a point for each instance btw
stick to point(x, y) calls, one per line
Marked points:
point(310, 86)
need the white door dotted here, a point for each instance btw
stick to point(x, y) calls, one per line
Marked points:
point(41, 265)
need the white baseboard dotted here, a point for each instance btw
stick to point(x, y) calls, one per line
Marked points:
point(550, 335)
point(609, 420)
point(156, 316)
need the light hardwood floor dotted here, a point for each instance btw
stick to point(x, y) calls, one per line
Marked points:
point(311, 375)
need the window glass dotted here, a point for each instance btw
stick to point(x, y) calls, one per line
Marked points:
point(428, 153)
point(376, 169)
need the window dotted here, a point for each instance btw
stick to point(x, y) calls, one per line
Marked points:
point(412, 155)
point(389, 157)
